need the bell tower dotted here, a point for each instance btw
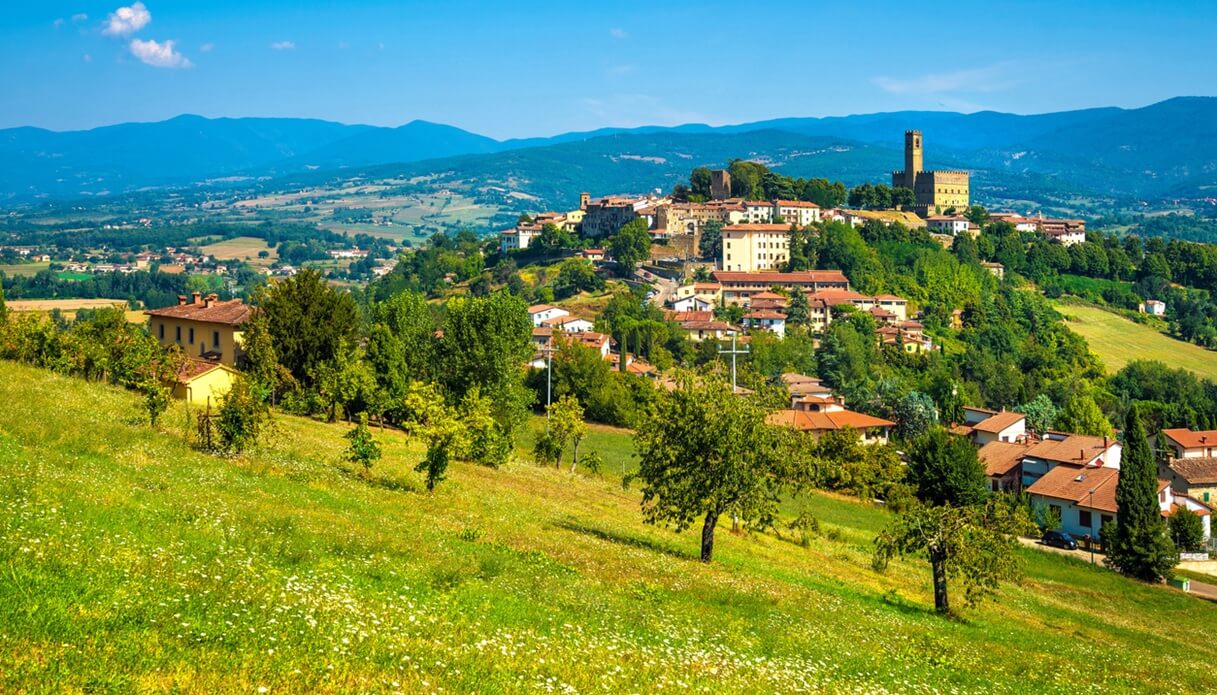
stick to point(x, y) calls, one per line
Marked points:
point(912, 157)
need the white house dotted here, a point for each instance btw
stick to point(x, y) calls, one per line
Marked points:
point(1085, 499)
point(1004, 426)
point(692, 303)
point(568, 324)
point(800, 212)
point(1185, 444)
point(519, 238)
point(767, 319)
point(1153, 307)
point(948, 224)
point(1073, 451)
point(540, 313)
point(758, 211)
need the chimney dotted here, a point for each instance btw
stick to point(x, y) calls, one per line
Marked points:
point(210, 300)
point(197, 297)
point(1105, 444)
point(181, 300)
point(1082, 455)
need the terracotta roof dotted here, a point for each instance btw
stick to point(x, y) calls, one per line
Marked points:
point(776, 278)
point(795, 204)
point(192, 369)
point(996, 423)
point(1189, 439)
point(808, 421)
point(706, 326)
point(792, 378)
point(1001, 457)
point(1196, 471)
point(232, 313)
point(560, 321)
point(707, 286)
point(679, 316)
point(765, 314)
point(1074, 485)
point(1076, 449)
point(538, 308)
point(767, 295)
point(757, 227)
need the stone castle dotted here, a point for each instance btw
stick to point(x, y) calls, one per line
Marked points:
point(933, 191)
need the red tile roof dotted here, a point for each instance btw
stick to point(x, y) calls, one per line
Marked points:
point(998, 422)
point(231, 313)
point(1076, 449)
point(809, 421)
point(1001, 457)
point(1074, 485)
point(1190, 439)
point(776, 278)
point(1196, 471)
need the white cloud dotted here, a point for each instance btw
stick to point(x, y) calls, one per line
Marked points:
point(127, 20)
point(618, 33)
point(990, 78)
point(80, 17)
point(159, 55)
point(57, 24)
point(207, 47)
point(284, 45)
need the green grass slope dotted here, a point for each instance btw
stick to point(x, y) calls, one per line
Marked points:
point(1118, 341)
point(130, 562)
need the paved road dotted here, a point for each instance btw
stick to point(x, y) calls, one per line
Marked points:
point(1201, 589)
point(664, 288)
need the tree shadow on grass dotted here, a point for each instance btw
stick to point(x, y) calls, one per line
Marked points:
point(622, 538)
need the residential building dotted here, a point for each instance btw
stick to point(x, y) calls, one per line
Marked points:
point(203, 383)
point(1020, 223)
point(593, 255)
point(602, 217)
point(1185, 444)
point(933, 191)
point(817, 415)
point(692, 303)
point(1071, 450)
point(800, 212)
point(540, 313)
point(996, 269)
point(518, 238)
point(767, 319)
point(738, 287)
point(894, 306)
point(568, 324)
point(759, 212)
point(1063, 232)
point(1154, 307)
point(948, 224)
point(800, 385)
point(205, 327)
point(984, 426)
point(1085, 499)
point(1003, 463)
point(1194, 477)
point(753, 247)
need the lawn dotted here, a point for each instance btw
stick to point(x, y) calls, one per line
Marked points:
point(1118, 341)
point(132, 562)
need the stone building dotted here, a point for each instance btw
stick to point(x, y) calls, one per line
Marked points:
point(933, 191)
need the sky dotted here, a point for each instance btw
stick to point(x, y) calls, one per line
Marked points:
point(524, 68)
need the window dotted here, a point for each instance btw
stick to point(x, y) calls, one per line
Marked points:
point(1084, 518)
point(161, 328)
point(215, 339)
point(178, 336)
point(192, 336)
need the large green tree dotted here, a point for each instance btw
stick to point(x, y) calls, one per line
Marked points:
point(944, 470)
point(1140, 547)
point(486, 343)
point(630, 246)
point(309, 321)
point(705, 452)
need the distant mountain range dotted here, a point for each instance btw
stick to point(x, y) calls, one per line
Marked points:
point(1160, 151)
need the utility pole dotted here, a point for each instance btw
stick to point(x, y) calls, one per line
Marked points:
point(549, 379)
point(733, 352)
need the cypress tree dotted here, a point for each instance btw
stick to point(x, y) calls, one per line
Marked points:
point(1140, 547)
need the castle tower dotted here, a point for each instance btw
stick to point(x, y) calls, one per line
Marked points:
point(584, 200)
point(913, 164)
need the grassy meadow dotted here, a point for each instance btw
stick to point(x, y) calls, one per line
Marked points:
point(1118, 341)
point(131, 562)
point(28, 269)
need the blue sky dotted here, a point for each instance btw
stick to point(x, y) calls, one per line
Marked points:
point(513, 69)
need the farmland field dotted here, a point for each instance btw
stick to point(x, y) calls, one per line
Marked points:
point(62, 304)
point(241, 248)
point(1118, 341)
point(14, 269)
point(134, 563)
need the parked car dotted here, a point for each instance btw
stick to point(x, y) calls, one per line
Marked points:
point(1059, 539)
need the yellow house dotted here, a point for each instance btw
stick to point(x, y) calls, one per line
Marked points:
point(205, 328)
point(203, 383)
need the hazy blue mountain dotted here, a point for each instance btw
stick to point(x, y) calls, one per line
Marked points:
point(1169, 148)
